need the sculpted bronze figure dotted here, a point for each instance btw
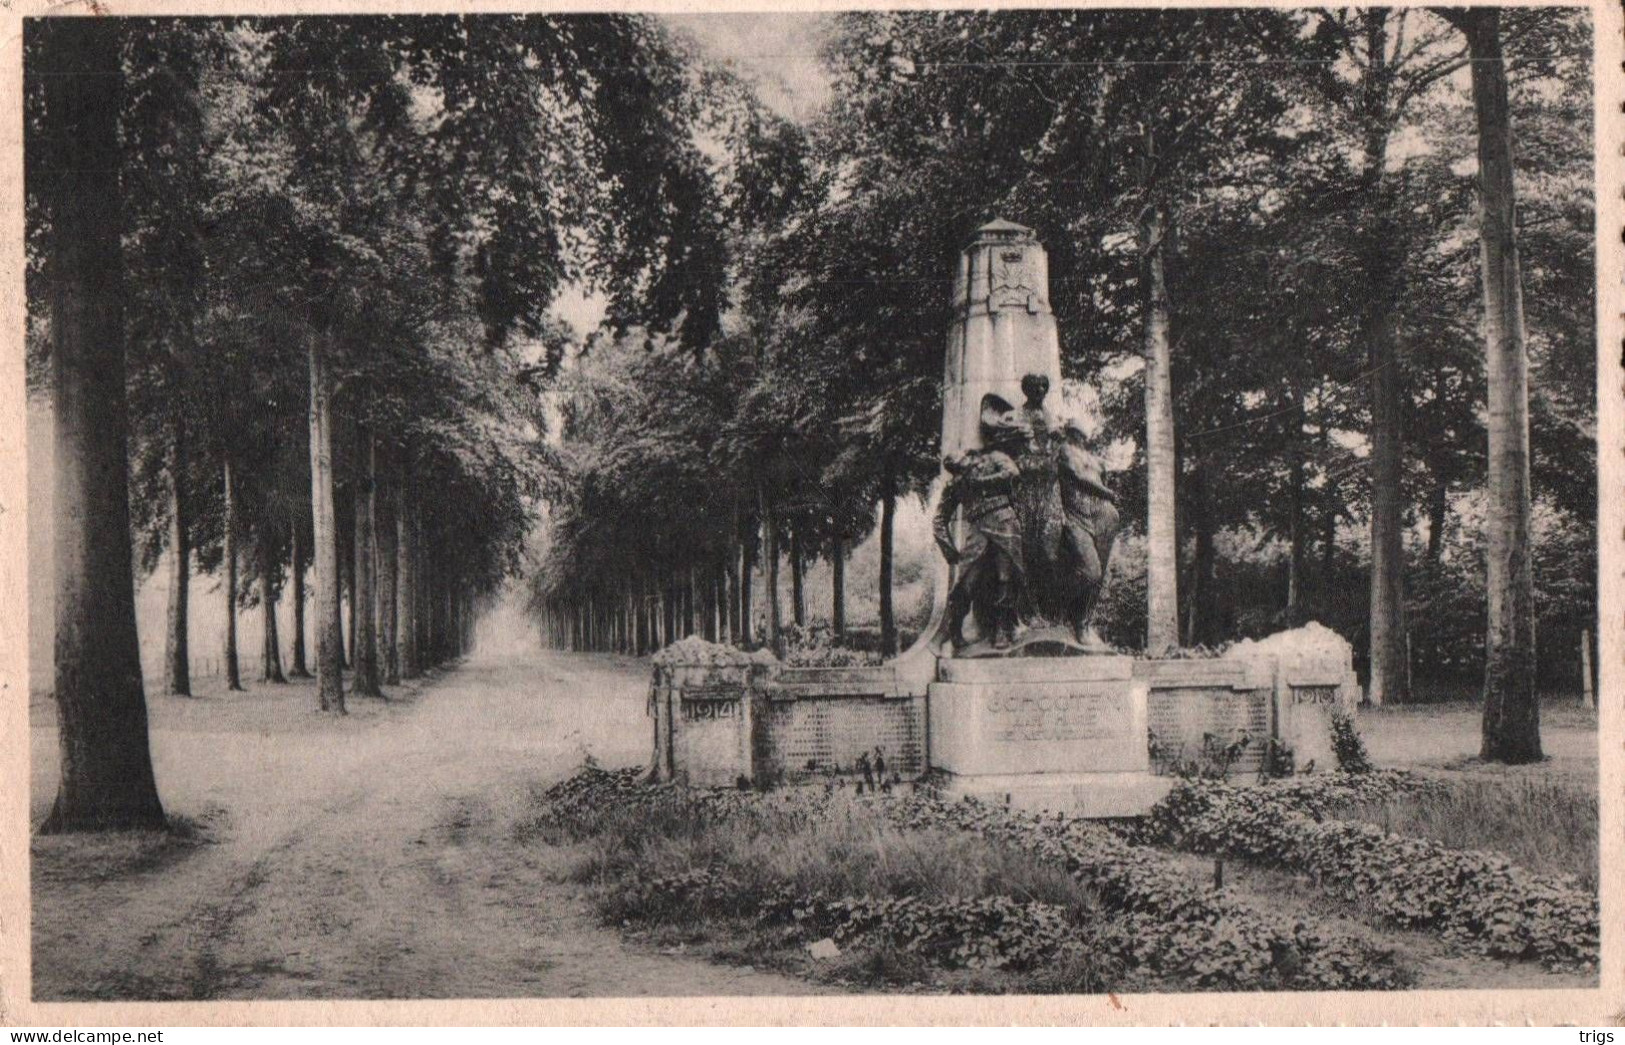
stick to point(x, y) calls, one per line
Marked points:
point(991, 569)
point(1039, 523)
point(1091, 529)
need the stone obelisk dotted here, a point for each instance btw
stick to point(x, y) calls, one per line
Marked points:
point(1039, 732)
point(1002, 330)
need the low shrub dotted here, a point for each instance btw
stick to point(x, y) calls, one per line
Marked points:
point(816, 645)
point(1163, 925)
point(1278, 761)
point(1174, 926)
point(1546, 825)
point(988, 932)
point(1213, 762)
point(1348, 745)
point(1477, 898)
point(804, 866)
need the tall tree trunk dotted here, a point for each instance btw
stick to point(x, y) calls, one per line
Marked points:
point(731, 611)
point(888, 615)
point(384, 530)
point(1328, 546)
point(297, 668)
point(707, 605)
point(177, 654)
point(1388, 660)
point(837, 566)
point(690, 626)
point(747, 597)
point(770, 520)
point(423, 569)
point(106, 765)
point(364, 610)
point(406, 585)
point(233, 679)
point(454, 624)
point(1199, 623)
point(1439, 492)
point(1389, 674)
point(270, 643)
point(347, 552)
point(725, 601)
point(442, 598)
point(423, 582)
point(441, 620)
point(465, 619)
point(1296, 537)
point(437, 618)
point(435, 623)
point(798, 591)
point(1511, 704)
point(1162, 532)
point(1328, 523)
point(324, 529)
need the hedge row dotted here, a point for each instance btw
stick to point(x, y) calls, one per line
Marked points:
point(1165, 924)
point(1479, 899)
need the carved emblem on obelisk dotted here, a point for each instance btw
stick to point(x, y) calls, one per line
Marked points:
point(1013, 283)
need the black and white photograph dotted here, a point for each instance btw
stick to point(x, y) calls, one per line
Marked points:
point(807, 506)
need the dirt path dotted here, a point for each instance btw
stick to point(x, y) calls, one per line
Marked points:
point(374, 857)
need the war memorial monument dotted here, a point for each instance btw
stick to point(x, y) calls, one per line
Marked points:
point(1009, 695)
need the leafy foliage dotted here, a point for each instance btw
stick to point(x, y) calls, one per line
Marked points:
point(1161, 923)
point(397, 192)
point(844, 232)
point(1478, 899)
point(815, 646)
point(1348, 746)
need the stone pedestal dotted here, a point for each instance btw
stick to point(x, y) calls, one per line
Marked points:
point(703, 711)
point(1314, 681)
point(1063, 734)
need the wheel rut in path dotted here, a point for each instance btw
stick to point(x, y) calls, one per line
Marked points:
point(374, 861)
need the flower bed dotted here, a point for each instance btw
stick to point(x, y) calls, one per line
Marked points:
point(1480, 899)
point(1162, 924)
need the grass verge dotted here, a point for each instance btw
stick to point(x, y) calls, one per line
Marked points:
point(1546, 826)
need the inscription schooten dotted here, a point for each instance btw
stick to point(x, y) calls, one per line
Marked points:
point(1056, 716)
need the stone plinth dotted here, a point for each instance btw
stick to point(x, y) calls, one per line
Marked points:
point(1219, 698)
point(1066, 734)
point(721, 716)
point(703, 714)
point(1315, 681)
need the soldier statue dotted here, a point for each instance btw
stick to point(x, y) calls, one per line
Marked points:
point(1039, 524)
point(991, 573)
point(1038, 506)
point(1090, 529)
